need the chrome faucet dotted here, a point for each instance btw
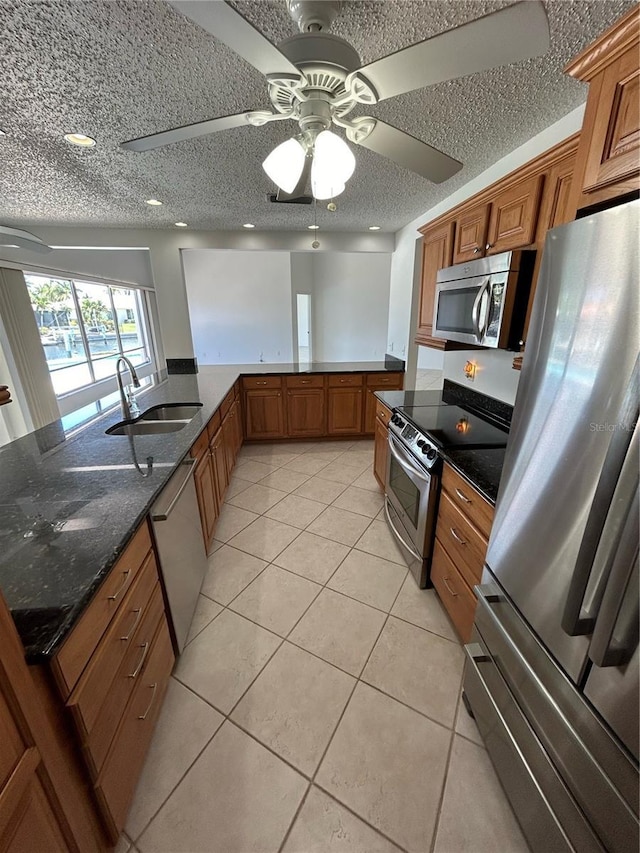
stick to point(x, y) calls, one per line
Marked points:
point(129, 403)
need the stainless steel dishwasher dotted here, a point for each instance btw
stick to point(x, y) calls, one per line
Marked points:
point(183, 561)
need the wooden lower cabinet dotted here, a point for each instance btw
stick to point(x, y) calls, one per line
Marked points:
point(378, 382)
point(380, 452)
point(43, 803)
point(264, 413)
point(219, 465)
point(306, 413)
point(344, 411)
point(462, 532)
point(203, 476)
point(116, 784)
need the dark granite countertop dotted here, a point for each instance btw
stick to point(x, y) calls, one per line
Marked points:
point(482, 468)
point(69, 506)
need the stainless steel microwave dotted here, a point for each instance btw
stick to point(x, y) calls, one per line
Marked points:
point(484, 302)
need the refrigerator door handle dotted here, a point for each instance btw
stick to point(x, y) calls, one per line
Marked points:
point(579, 617)
point(615, 636)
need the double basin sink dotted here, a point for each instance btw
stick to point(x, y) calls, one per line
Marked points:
point(167, 417)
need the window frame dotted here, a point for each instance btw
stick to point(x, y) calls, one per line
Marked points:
point(97, 389)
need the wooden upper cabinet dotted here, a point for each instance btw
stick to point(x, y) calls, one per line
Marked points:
point(608, 162)
point(437, 252)
point(514, 216)
point(471, 234)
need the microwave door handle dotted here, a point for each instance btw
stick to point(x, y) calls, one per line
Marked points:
point(487, 314)
point(404, 463)
point(475, 311)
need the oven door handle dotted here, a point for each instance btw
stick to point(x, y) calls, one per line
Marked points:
point(404, 463)
point(475, 311)
point(409, 548)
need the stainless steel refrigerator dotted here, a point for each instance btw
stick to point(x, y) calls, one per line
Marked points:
point(552, 670)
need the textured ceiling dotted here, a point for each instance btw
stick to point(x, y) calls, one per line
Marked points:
point(117, 69)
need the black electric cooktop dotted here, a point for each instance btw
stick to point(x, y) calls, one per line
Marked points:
point(450, 426)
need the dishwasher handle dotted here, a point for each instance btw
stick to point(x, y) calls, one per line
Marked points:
point(160, 512)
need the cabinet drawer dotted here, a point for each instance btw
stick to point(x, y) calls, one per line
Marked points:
point(465, 497)
point(463, 543)
point(200, 445)
point(95, 681)
point(344, 380)
point(214, 424)
point(68, 664)
point(457, 598)
point(305, 381)
point(117, 782)
point(382, 412)
point(226, 404)
point(131, 670)
point(250, 382)
point(385, 380)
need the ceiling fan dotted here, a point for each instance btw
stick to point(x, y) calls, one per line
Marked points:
point(315, 79)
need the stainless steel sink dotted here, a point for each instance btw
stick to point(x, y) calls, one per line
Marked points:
point(171, 412)
point(167, 417)
point(143, 427)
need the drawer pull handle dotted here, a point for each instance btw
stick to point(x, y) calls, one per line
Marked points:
point(305, 381)
point(138, 612)
point(261, 383)
point(452, 530)
point(454, 594)
point(462, 496)
point(153, 687)
point(125, 578)
point(145, 650)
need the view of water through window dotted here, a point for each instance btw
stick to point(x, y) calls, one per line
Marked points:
point(85, 327)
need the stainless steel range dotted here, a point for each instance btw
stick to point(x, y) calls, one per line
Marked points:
point(419, 437)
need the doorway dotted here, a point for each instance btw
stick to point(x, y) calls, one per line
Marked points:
point(303, 312)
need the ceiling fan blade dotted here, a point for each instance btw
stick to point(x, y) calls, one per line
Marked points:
point(228, 25)
point(406, 150)
point(187, 131)
point(510, 35)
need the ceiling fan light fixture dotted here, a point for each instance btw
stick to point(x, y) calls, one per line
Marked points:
point(324, 189)
point(332, 157)
point(285, 164)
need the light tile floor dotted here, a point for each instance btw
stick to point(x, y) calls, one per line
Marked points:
point(316, 707)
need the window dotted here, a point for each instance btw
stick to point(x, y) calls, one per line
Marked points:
point(84, 328)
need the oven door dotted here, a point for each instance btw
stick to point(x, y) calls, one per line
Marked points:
point(410, 507)
point(470, 310)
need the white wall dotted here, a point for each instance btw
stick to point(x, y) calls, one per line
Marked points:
point(240, 305)
point(494, 374)
point(350, 310)
point(498, 378)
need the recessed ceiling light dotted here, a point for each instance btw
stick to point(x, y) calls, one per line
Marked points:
point(153, 202)
point(374, 228)
point(248, 225)
point(181, 224)
point(80, 139)
point(313, 227)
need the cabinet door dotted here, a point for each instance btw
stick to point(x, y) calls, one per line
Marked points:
point(229, 440)
point(437, 253)
point(264, 414)
point(380, 451)
point(32, 779)
point(514, 216)
point(345, 411)
point(219, 466)
point(306, 412)
point(614, 127)
point(471, 234)
point(237, 426)
point(207, 499)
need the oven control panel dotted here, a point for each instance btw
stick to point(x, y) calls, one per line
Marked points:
point(421, 447)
